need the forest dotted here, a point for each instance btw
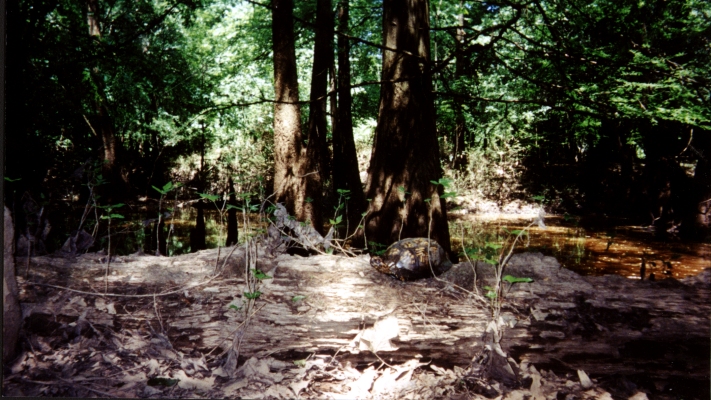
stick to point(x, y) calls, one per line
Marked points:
point(172, 127)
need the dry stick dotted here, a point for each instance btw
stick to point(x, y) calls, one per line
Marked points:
point(29, 251)
point(155, 307)
point(108, 258)
point(424, 317)
point(471, 264)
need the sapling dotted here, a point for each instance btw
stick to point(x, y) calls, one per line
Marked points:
point(109, 216)
point(163, 192)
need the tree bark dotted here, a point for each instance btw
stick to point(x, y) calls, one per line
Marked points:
point(697, 225)
point(11, 312)
point(232, 229)
point(323, 55)
point(345, 160)
point(297, 181)
point(459, 155)
point(111, 168)
point(405, 160)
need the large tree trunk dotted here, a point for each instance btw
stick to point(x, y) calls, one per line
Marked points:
point(345, 160)
point(11, 312)
point(297, 180)
point(405, 159)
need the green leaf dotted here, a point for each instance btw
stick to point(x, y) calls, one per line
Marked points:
point(12, 180)
point(252, 295)
point(260, 275)
point(297, 298)
point(210, 197)
point(234, 307)
point(300, 363)
point(513, 279)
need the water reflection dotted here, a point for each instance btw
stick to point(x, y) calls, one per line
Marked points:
point(599, 247)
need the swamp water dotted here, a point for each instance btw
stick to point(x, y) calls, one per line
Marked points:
point(593, 247)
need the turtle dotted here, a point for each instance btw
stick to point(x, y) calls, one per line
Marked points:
point(408, 259)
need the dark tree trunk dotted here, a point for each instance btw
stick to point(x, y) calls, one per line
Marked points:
point(323, 55)
point(11, 312)
point(405, 161)
point(111, 168)
point(297, 181)
point(232, 234)
point(459, 156)
point(345, 161)
point(197, 234)
point(669, 189)
point(698, 223)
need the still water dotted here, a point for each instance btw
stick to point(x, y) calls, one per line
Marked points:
point(589, 247)
point(598, 247)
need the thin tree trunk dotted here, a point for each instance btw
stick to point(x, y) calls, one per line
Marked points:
point(698, 222)
point(323, 54)
point(297, 181)
point(405, 160)
point(459, 156)
point(232, 229)
point(345, 160)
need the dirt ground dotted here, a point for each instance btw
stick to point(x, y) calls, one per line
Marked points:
point(131, 330)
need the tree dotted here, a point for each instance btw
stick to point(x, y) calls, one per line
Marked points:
point(297, 180)
point(405, 159)
point(103, 125)
point(323, 56)
point(345, 165)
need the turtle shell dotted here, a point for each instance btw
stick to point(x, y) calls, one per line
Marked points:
point(410, 259)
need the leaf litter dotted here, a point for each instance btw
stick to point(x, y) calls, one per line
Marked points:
point(75, 345)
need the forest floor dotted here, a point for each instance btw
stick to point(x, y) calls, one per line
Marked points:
point(133, 340)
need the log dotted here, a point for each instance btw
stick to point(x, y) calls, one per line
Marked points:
point(607, 326)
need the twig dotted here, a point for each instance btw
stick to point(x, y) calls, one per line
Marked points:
point(155, 308)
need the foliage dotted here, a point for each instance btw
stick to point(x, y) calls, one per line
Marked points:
point(188, 89)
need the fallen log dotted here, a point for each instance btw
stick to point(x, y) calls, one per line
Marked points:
point(649, 333)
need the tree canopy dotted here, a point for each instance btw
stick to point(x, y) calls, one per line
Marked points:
point(519, 87)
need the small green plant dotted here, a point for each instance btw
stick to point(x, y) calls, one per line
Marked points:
point(163, 192)
point(377, 248)
point(341, 209)
point(109, 216)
